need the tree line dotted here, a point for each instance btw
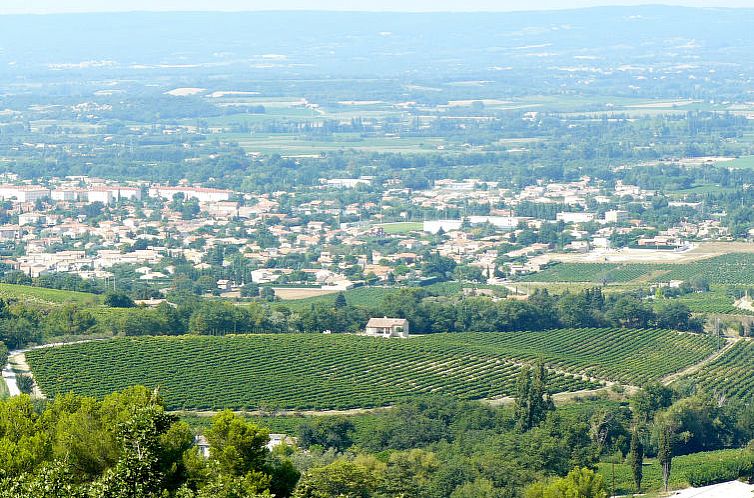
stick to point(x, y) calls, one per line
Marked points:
point(427, 312)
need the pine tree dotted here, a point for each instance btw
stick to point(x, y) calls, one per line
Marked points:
point(340, 301)
point(636, 458)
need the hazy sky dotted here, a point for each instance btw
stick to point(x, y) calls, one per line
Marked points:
point(50, 6)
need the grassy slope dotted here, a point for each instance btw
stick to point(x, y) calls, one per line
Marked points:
point(27, 292)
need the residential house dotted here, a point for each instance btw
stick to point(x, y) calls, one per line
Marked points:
point(387, 327)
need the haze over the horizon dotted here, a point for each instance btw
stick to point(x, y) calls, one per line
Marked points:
point(72, 6)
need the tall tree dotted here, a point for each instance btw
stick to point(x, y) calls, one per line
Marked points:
point(636, 458)
point(238, 446)
point(532, 399)
point(340, 301)
point(523, 396)
point(665, 439)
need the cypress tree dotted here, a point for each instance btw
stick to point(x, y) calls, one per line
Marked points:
point(636, 458)
point(532, 399)
point(665, 450)
point(541, 402)
point(340, 301)
point(522, 411)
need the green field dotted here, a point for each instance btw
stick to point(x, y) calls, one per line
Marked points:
point(312, 371)
point(367, 296)
point(359, 296)
point(715, 301)
point(403, 227)
point(744, 162)
point(730, 375)
point(728, 269)
point(29, 293)
point(593, 272)
point(697, 469)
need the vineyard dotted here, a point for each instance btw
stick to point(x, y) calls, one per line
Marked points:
point(731, 374)
point(30, 294)
point(366, 296)
point(591, 272)
point(715, 301)
point(696, 469)
point(728, 269)
point(307, 371)
point(630, 356)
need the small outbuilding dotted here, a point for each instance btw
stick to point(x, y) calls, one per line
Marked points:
point(387, 327)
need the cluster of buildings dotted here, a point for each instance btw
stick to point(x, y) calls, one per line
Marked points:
point(86, 226)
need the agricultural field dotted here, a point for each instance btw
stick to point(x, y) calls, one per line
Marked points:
point(716, 301)
point(403, 227)
point(366, 296)
point(308, 371)
point(358, 296)
point(696, 469)
point(729, 375)
point(744, 162)
point(630, 356)
point(298, 293)
point(29, 293)
point(593, 272)
point(726, 269)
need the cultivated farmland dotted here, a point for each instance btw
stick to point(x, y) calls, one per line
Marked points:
point(728, 269)
point(696, 469)
point(307, 371)
point(592, 272)
point(731, 374)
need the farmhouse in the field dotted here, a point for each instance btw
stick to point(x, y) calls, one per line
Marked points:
point(387, 327)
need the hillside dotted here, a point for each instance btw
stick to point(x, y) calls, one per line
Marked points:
point(308, 371)
point(40, 294)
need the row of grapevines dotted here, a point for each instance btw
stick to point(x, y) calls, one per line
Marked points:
point(731, 374)
point(299, 371)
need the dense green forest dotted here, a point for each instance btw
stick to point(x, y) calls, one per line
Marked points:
point(127, 446)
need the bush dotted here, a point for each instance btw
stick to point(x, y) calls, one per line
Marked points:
point(118, 300)
point(25, 383)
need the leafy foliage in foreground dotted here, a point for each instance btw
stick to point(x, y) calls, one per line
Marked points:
point(128, 446)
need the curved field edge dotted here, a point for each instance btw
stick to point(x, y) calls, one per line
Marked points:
point(325, 372)
point(730, 375)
